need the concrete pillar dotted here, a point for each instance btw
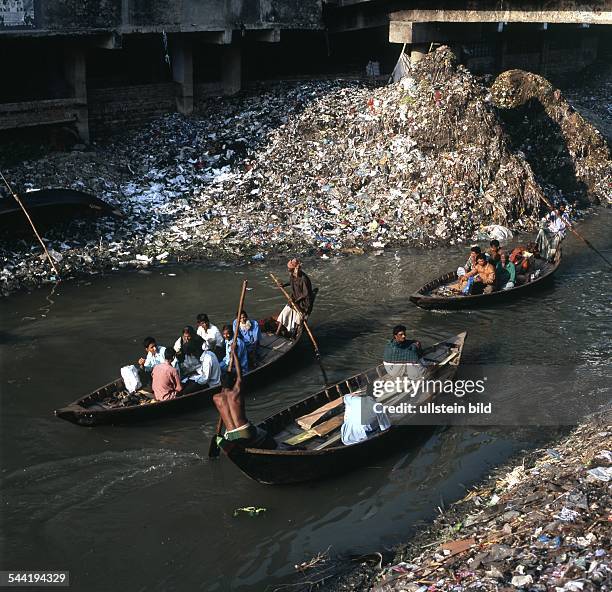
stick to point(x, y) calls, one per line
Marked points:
point(417, 52)
point(182, 73)
point(231, 65)
point(501, 52)
point(75, 69)
point(544, 49)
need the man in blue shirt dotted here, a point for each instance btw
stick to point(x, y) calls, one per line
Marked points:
point(250, 333)
point(241, 350)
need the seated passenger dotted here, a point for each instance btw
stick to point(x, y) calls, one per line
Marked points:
point(241, 350)
point(471, 262)
point(249, 331)
point(505, 273)
point(154, 354)
point(493, 254)
point(166, 381)
point(207, 374)
point(402, 355)
point(188, 348)
point(484, 276)
point(211, 334)
point(521, 260)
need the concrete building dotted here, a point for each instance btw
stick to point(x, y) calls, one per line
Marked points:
point(85, 67)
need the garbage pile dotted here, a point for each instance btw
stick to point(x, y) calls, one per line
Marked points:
point(591, 95)
point(313, 169)
point(547, 527)
point(565, 151)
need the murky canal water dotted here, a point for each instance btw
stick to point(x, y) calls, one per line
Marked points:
point(142, 508)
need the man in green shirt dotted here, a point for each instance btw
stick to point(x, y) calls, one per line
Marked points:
point(402, 355)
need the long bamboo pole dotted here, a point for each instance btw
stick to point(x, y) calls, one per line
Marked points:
point(40, 240)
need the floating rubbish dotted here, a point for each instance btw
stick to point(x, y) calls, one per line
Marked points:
point(249, 511)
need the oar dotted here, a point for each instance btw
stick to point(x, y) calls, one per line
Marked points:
point(584, 240)
point(213, 449)
point(299, 312)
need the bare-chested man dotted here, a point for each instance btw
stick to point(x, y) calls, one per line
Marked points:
point(230, 404)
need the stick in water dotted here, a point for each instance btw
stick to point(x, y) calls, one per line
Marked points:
point(213, 449)
point(40, 240)
point(294, 306)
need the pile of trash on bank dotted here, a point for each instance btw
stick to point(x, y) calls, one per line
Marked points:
point(547, 527)
point(318, 168)
point(566, 153)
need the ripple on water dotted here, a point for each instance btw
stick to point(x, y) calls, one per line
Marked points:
point(43, 491)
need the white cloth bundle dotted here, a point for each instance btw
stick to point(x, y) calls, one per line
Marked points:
point(360, 418)
point(131, 378)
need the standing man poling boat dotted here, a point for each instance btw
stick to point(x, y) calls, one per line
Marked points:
point(230, 405)
point(302, 296)
point(552, 232)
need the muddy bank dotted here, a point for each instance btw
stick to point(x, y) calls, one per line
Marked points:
point(319, 168)
point(539, 522)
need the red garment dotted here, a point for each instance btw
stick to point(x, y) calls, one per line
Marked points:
point(166, 382)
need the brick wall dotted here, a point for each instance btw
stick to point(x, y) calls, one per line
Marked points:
point(33, 113)
point(113, 109)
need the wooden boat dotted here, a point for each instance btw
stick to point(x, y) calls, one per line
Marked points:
point(324, 454)
point(49, 206)
point(431, 295)
point(91, 410)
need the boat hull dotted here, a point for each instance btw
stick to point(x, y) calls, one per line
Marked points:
point(271, 467)
point(81, 415)
point(423, 300)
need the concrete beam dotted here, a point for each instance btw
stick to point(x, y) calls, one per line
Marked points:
point(583, 15)
point(217, 37)
point(425, 33)
point(409, 32)
point(265, 35)
point(107, 41)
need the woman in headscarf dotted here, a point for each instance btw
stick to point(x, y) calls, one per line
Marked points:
point(302, 295)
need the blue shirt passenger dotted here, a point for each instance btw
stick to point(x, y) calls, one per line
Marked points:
point(241, 350)
point(249, 331)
